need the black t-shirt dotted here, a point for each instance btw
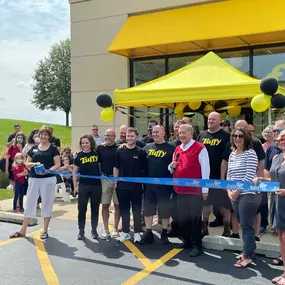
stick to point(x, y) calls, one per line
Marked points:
point(12, 136)
point(131, 163)
point(88, 164)
point(270, 153)
point(107, 158)
point(215, 144)
point(44, 157)
point(256, 145)
point(159, 156)
point(55, 141)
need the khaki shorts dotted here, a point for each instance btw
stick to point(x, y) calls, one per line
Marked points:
point(108, 191)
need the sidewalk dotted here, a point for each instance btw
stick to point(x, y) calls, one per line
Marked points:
point(68, 211)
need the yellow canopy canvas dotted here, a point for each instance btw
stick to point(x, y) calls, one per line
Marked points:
point(207, 79)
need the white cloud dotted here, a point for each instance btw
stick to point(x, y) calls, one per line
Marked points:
point(28, 29)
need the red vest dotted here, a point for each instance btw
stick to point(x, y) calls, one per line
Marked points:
point(188, 167)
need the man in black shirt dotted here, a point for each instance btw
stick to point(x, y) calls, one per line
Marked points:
point(215, 140)
point(123, 137)
point(159, 156)
point(149, 139)
point(130, 162)
point(17, 128)
point(107, 157)
point(54, 140)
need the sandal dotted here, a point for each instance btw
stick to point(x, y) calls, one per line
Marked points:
point(277, 261)
point(17, 235)
point(277, 279)
point(243, 263)
point(240, 256)
point(281, 281)
point(44, 235)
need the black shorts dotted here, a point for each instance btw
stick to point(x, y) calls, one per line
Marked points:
point(157, 195)
point(218, 197)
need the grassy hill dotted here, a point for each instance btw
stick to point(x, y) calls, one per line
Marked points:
point(7, 127)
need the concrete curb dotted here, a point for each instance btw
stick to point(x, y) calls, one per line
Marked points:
point(16, 218)
point(222, 243)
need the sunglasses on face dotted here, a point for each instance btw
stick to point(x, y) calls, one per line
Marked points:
point(281, 140)
point(277, 131)
point(94, 129)
point(238, 136)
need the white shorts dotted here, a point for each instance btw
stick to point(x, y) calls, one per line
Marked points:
point(43, 187)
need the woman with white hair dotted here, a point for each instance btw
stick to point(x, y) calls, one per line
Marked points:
point(267, 134)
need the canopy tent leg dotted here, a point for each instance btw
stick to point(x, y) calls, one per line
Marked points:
point(269, 116)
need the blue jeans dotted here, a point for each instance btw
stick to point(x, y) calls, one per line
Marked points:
point(18, 194)
point(245, 208)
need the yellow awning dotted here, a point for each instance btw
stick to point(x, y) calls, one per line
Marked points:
point(227, 24)
point(207, 79)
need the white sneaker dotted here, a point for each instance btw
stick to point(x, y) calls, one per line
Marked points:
point(114, 233)
point(124, 237)
point(105, 235)
point(10, 187)
point(137, 237)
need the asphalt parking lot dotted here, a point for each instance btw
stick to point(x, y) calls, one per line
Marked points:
point(62, 259)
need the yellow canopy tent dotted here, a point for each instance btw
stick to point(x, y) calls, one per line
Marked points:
point(207, 79)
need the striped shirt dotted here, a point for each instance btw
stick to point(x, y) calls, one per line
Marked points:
point(242, 167)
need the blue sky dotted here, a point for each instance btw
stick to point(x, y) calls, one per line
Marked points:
point(27, 30)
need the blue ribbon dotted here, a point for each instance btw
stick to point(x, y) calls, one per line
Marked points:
point(203, 183)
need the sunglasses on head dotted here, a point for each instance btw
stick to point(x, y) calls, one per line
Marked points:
point(238, 136)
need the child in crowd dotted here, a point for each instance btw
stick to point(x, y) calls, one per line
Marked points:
point(19, 172)
point(67, 166)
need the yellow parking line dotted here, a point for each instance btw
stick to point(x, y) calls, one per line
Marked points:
point(141, 257)
point(152, 267)
point(16, 239)
point(46, 266)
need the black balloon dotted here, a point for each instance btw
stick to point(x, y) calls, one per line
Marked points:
point(269, 85)
point(220, 104)
point(188, 110)
point(278, 101)
point(104, 100)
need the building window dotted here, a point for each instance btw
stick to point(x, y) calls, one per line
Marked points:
point(144, 71)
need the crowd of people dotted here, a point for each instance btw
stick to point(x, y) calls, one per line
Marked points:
point(216, 153)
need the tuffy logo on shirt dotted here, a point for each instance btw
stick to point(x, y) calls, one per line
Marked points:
point(211, 142)
point(91, 159)
point(157, 153)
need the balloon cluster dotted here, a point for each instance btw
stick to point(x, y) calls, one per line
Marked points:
point(225, 108)
point(261, 102)
point(105, 101)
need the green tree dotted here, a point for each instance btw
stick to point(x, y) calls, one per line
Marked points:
point(52, 80)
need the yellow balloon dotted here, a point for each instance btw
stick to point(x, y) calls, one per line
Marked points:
point(179, 110)
point(194, 105)
point(223, 115)
point(107, 114)
point(260, 103)
point(234, 111)
point(179, 115)
point(208, 109)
